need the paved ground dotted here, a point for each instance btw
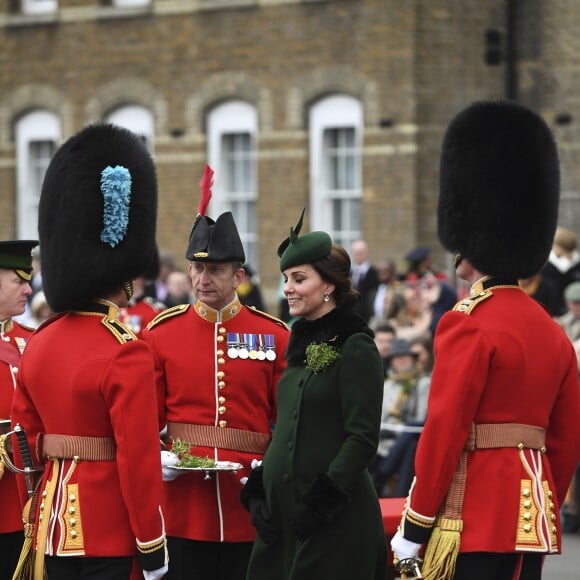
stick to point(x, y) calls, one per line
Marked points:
point(566, 566)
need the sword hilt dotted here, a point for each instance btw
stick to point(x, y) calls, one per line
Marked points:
point(26, 456)
point(408, 568)
point(23, 448)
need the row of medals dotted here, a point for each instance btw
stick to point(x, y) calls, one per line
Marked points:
point(241, 350)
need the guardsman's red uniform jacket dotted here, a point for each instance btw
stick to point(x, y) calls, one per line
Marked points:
point(502, 417)
point(86, 399)
point(13, 338)
point(217, 373)
point(139, 313)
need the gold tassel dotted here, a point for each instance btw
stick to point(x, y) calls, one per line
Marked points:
point(25, 567)
point(2, 453)
point(27, 561)
point(442, 550)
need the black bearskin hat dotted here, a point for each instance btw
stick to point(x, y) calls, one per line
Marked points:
point(97, 216)
point(499, 189)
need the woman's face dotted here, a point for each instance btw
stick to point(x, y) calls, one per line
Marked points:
point(305, 289)
point(413, 300)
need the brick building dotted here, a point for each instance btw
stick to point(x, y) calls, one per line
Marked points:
point(334, 105)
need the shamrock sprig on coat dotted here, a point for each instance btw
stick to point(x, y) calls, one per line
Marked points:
point(319, 356)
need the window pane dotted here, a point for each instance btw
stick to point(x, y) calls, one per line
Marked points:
point(244, 213)
point(341, 158)
point(240, 189)
point(39, 6)
point(343, 189)
point(131, 2)
point(346, 220)
point(41, 153)
point(237, 151)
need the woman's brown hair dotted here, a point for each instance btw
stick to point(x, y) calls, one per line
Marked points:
point(335, 269)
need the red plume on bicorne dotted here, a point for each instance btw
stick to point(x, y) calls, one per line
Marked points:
point(205, 184)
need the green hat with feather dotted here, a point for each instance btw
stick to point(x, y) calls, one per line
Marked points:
point(306, 249)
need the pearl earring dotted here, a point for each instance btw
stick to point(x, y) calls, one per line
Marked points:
point(326, 297)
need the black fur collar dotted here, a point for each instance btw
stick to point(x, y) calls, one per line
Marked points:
point(337, 326)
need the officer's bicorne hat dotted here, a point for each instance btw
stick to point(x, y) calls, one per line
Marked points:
point(310, 247)
point(209, 240)
point(17, 255)
point(97, 216)
point(499, 189)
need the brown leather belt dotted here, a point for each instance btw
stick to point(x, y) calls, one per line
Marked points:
point(76, 446)
point(496, 435)
point(219, 437)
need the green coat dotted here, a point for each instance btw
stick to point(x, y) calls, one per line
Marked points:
point(328, 423)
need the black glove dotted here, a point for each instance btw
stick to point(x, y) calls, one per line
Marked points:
point(305, 521)
point(321, 505)
point(261, 518)
point(253, 488)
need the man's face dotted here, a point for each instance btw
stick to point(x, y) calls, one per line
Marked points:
point(574, 307)
point(402, 363)
point(360, 252)
point(383, 340)
point(13, 294)
point(215, 283)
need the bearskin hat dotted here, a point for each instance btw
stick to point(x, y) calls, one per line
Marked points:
point(97, 216)
point(499, 189)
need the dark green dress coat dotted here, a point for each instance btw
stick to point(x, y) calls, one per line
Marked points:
point(315, 479)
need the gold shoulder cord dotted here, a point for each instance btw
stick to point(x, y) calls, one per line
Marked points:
point(121, 332)
point(169, 313)
point(467, 305)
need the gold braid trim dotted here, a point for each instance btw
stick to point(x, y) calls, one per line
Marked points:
point(43, 521)
point(149, 547)
point(2, 453)
point(418, 520)
point(121, 332)
point(169, 313)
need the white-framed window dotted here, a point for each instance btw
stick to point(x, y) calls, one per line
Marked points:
point(39, 6)
point(232, 135)
point(137, 119)
point(336, 130)
point(37, 137)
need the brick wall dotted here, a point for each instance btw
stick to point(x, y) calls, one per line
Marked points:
point(412, 64)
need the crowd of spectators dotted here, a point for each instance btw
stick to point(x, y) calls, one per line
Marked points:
point(405, 308)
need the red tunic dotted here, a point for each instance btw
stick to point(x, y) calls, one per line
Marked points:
point(200, 384)
point(139, 313)
point(500, 359)
point(85, 374)
point(13, 338)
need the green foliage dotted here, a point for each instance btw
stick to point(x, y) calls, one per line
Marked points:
point(319, 356)
point(183, 450)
